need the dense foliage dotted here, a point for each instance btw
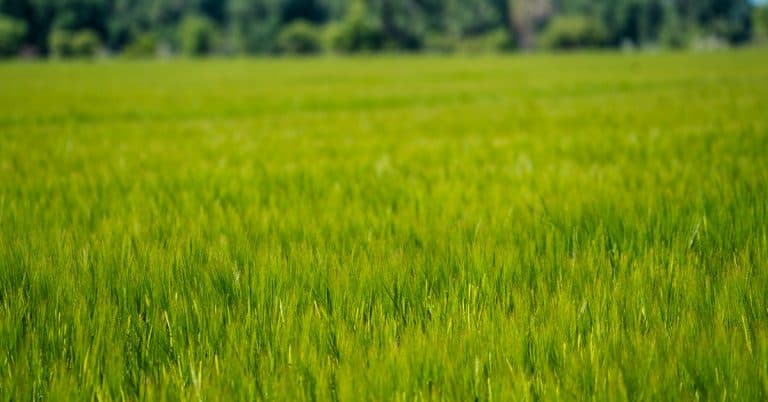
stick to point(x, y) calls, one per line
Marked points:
point(80, 44)
point(11, 36)
point(197, 35)
point(556, 227)
point(760, 22)
point(570, 32)
point(255, 26)
point(299, 37)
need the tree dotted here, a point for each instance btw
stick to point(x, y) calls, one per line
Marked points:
point(145, 45)
point(253, 24)
point(405, 23)
point(462, 18)
point(12, 33)
point(302, 10)
point(299, 37)
point(197, 35)
point(85, 43)
point(525, 17)
point(727, 19)
point(760, 22)
point(673, 33)
point(358, 32)
point(80, 44)
point(570, 32)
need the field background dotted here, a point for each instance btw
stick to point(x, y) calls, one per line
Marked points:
point(396, 228)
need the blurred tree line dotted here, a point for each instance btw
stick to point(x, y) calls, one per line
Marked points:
point(79, 28)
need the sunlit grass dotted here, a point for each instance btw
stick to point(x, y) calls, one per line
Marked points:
point(543, 227)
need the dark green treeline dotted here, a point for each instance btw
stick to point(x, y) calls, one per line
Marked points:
point(150, 27)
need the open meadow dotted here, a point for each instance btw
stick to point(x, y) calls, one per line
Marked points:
point(542, 227)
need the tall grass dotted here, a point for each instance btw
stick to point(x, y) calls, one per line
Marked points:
point(525, 228)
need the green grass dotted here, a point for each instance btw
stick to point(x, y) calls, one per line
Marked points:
point(521, 228)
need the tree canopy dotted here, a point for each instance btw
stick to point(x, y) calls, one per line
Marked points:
point(255, 26)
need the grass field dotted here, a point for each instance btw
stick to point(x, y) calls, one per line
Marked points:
point(504, 228)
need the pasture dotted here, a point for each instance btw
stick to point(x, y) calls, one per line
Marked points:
point(543, 227)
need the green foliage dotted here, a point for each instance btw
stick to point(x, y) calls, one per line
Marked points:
point(439, 43)
point(79, 44)
point(11, 36)
point(300, 37)
point(570, 32)
point(729, 31)
point(673, 33)
point(145, 45)
point(85, 43)
point(355, 36)
point(356, 33)
point(404, 23)
point(461, 18)
point(760, 22)
point(254, 26)
point(499, 40)
point(257, 38)
point(197, 35)
point(59, 43)
point(580, 227)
